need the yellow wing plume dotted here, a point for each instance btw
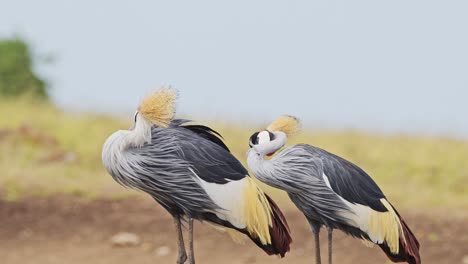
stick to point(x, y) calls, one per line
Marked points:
point(257, 212)
point(388, 225)
point(159, 107)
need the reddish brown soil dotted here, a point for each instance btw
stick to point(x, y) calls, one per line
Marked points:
point(66, 230)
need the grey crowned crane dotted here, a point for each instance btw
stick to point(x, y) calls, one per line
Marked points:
point(190, 172)
point(330, 191)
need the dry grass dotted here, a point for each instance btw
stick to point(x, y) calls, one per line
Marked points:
point(44, 150)
point(32, 166)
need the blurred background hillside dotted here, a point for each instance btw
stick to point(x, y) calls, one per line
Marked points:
point(383, 85)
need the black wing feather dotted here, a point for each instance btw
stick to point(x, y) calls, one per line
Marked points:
point(207, 133)
point(201, 130)
point(208, 155)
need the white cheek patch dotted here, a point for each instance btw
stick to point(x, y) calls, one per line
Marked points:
point(263, 137)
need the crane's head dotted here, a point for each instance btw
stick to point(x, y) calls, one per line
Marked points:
point(267, 142)
point(158, 108)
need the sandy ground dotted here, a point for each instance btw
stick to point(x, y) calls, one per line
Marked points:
point(62, 229)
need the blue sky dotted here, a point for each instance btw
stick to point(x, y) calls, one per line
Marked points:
point(393, 66)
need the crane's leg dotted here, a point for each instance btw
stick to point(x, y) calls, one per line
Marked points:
point(191, 257)
point(316, 230)
point(182, 255)
point(330, 237)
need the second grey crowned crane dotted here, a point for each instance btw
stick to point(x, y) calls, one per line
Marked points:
point(330, 191)
point(191, 173)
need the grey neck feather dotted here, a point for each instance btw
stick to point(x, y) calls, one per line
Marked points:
point(260, 167)
point(138, 136)
point(141, 133)
point(121, 140)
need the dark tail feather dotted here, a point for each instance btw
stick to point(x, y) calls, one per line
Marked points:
point(409, 246)
point(279, 232)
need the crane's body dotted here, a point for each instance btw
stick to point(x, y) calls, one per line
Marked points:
point(191, 173)
point(332, 192)
point(162, 171)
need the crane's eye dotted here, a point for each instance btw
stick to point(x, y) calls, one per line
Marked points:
point(253, 139)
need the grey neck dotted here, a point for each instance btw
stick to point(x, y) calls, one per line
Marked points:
point(256, 155)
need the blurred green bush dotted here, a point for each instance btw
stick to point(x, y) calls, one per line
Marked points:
point(17, 77)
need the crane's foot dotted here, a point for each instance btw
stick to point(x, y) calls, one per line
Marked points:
point(190, 261)
point(181, 259)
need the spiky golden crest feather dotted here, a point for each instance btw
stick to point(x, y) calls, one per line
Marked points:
point(287, 124)
point(159, 106)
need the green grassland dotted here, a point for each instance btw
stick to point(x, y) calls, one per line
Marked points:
point(44, 151)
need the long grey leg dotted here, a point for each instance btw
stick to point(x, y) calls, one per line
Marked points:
point(330, 238)
point(182, 255)
point(191, 256)
point(316, 230)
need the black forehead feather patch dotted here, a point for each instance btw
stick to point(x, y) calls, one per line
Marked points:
point(253, 139)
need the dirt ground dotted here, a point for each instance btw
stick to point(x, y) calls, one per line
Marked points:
point(62, 229)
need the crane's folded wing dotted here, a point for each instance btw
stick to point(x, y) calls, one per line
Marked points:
point(345, 178)
point(209, 156)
